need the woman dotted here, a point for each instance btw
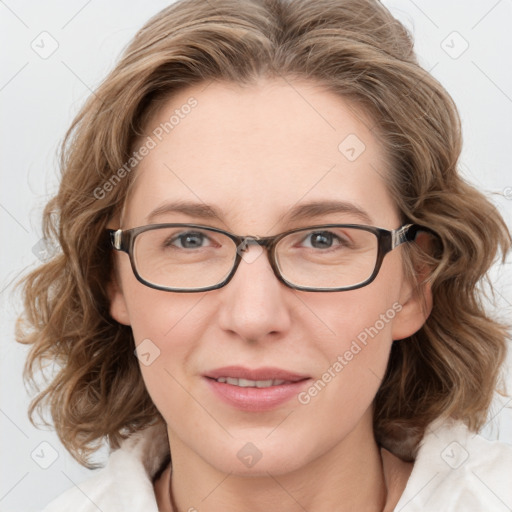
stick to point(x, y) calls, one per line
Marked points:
point(261, 202)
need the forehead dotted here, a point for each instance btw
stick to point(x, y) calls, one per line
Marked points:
point(256, 151)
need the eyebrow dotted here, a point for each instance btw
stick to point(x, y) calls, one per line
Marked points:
point(311, 210)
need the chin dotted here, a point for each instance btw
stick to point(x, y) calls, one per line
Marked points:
point(259, 458)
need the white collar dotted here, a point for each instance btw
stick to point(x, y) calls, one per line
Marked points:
point(455, 470)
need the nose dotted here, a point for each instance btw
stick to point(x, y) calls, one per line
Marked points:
point(254, 304)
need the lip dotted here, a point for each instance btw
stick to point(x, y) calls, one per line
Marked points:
point(264, 373)
point(251, 398)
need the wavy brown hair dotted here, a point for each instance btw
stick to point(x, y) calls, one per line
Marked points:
point(450, 368)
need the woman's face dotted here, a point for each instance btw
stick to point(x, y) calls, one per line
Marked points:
point(254, 154)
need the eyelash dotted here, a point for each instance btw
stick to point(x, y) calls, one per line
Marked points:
point(170, 241)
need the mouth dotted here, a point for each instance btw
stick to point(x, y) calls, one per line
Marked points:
point(246, 383)
point(255, 390)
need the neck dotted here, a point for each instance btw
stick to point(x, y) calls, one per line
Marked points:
point(348, 476)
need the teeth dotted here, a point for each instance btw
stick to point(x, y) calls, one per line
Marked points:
point(246, 383)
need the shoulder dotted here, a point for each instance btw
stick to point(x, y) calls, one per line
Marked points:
point(458, 470)
point(125, 483)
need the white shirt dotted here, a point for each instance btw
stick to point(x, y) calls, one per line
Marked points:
point(455, 470)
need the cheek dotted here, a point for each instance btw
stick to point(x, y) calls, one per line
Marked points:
point(165, 328)
point(156, 314)
point(356, 351)
point(355, 362)
point(361, 334)
point(361, 319)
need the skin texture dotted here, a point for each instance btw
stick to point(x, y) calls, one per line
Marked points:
point(254, 152)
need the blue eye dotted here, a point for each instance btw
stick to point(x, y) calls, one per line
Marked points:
point(189, 240)
point(323, 240)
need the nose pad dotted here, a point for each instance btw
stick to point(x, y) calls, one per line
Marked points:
point(249, 254)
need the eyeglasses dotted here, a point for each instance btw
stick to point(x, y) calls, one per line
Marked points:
point(196, 258)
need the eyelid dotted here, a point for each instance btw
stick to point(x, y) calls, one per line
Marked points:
point(200, 227)
point(330, 231)
point(209, 237)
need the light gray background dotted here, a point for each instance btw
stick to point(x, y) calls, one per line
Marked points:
point(40, 96)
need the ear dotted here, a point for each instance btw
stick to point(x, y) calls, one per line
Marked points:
point(118, 308)
point(416, 300)
point(416, 307)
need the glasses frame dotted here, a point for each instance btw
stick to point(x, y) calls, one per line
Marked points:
point(124, 239)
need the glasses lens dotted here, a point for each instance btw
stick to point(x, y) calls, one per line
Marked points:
point(330, 257)
point(183, 257)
